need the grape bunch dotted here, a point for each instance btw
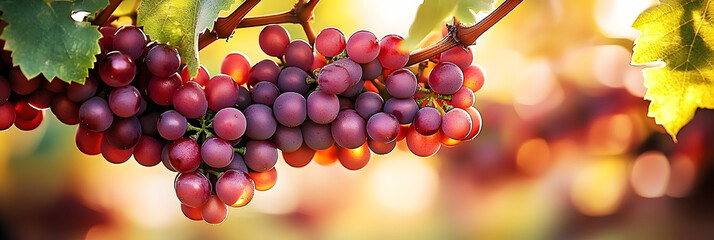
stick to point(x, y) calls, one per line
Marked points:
point(341, 101)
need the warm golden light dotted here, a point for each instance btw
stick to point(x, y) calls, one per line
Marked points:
point(650, 174)
point(599, 186)
point(533, 156)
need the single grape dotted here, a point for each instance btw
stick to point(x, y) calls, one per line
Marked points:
point(390, 53)
point(184, 155)
point(464, 98)
point(130, 40)
point(327, 156)
point(264, 180)
point(477, 123)
point(383, 127)
point(293, 79)
point(193, 213)
point(260, 156)
point(299, 54)
point(474, 77)
point(381, 148)
point(446, 78)
point(214, 211)
point(265, 93)
point(353, 69)
point(403, 109)
point(40, 99)
point(24, 111)
point(317, 136)
point(300, 157)
point(273, 40)
point(333, 79)
point(20, 84)
point(95, 115)
point(79, 93)
point(190, 100)
point(456, 123)
point(462, 57)
point(117, 69)
point(147, 151)
point(7, 115)
point(221, 92)
point(162, 60)
point(216, 152)
point(65, 110)
point(363, 47)
point(113, 154)
point(237, 66)
point(265, 70)
point(288, 139)
point(260, 123)
point(192, 188)
point(162, 90)
point(229, 124)
point(401, 83)
point(235, 188)
point(244, 99)
point(427, 121)
point(348, 129)
point(372, 70)
point(322, 107)
point(124, 133)
point(125, 101)
point(368, 103)
point(354, 159)
point(171, 125)
point(87, 141)
point(290, 109)
point(330, 42)
point(422, 146)
point(27, 125)
point(202, 77)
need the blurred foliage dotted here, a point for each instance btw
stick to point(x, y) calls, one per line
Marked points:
point(431, 15)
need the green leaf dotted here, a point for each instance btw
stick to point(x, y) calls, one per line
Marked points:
point(179, 22)
point(431, 15)
point(45, 39)
point(681, 35)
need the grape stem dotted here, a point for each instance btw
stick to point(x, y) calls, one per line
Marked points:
point(224, 26)
point(102, 17)
point(240, 150)
point(460, 34)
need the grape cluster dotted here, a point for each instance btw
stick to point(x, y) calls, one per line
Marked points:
point(221, 134)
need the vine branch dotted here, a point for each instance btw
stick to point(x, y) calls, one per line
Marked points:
point(224, 26)
point(104, 15)
point(461, 34)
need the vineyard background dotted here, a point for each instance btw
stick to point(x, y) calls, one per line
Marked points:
point(567, 151)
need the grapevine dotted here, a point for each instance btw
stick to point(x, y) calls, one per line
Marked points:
point(346, 97)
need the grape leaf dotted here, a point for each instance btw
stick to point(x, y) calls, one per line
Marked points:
point(45, 39)
point(431, 15)
point(680, 34)
point(179, 22)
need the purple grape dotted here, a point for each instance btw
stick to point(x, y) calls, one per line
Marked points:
point(192, 188)
point(322, 107)
point(229, 124)
point(130, 40)
point(401, 83)
point(368, 103)
point(244, 99)
point(299, 54)
point(372, 70)
point(125, 101)
point(288, 139)
point(383, 127)
point(362, 47)
point(171, 125)
point(353, 69)
point(221, 92)
point(354, 90)
point(446, 78)
point(265, 93)
point(403, 109)
point(290, 109)
point(260, 123)
point(81, 92)
point(216, 152)
point(427, 121)
point(260, 156)
point(236, 164)
point(162, 90)
point(333, 79)
point(190, 100)
point(147, 151)
point(266, 70)
point(124, 133)
point(317, 136)
point(348, 129)
point(117, 69)
point(184, 155)
point(95, 115)
point(293, 79)
point(163, 60)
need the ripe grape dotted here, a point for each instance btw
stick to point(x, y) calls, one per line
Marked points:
point(162, 90)
point(237, 66)
point(130, 40)
point(260, 123)
point(333, 79)
point(27, 125)
point(235, 188)
point(476, 121)
point(327, 156)
point(264, 180)
point(322, 107)
point(403, 109)
point(299, 54)
point(390, 54)
point(401, 83)
point(117, 69)
point(368, 103)
point(290, 109)
point(192, 188)
point(474, 77)
point(288, 139)
point(273, 40)
point(317, 136)
point(190, 100)
point(124, 133)
point(463, 98)
point(300, 157)
point(125, 101)
point(354, 159)
point(55, 86)
point(221, 92)
point(184, 155)
point(446, 78)
point(260, 156)
point(381, 148)
point(383, 127)
point(229, 124)
point(147, 151)
point(65, 110)
point(348, 129)
point(87, 141)
point(216, 152)
point(427, 121)
point(40, 99)
point(422, 146)
point(244, 99)
point(372, 70)
point(113, 154)
point(20, 84)
point(171, 125)
point(330, 42)
point(266, 70)
point(24, 111)
point(163, 60)
point(265, 93)
point(456, 123)
point(362, 47)
point(353, 69)
point(293, 79)
point(7, 115)
point(78, 93)
point(462, 57)
point(201, 78)
point(193, 213)
point(95, 115)
point(214, 211)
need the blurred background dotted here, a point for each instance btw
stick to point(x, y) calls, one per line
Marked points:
point(566, 152)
